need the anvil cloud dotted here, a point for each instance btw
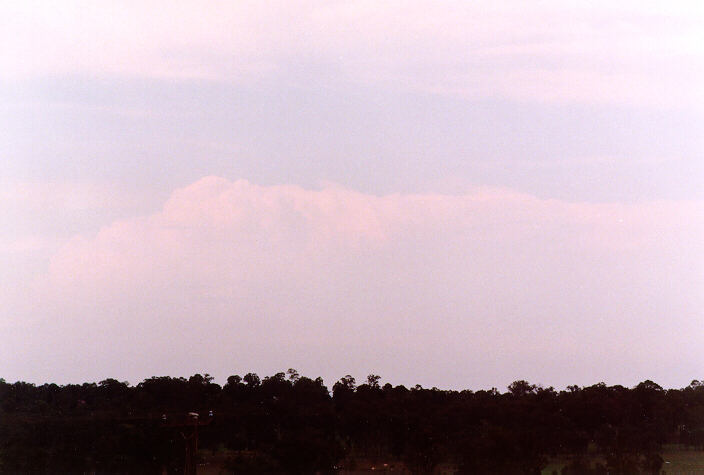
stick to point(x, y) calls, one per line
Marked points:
point(548, 51)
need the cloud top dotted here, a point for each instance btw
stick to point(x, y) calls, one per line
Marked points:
point(235, 275)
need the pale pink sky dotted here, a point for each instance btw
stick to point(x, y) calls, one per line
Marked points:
point(456, 194)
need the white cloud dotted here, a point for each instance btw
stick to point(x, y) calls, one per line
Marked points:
point(634, 52)
point(473, 289)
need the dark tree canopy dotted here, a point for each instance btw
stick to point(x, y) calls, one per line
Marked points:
point(291, 423)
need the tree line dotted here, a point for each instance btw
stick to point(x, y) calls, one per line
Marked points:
point(288, 423)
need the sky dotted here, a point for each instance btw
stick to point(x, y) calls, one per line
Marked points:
point(452, 194)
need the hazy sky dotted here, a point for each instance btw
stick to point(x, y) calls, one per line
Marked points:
point(456, 194)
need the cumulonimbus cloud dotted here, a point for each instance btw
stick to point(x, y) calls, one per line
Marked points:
point(238, 220)
point(333, 278)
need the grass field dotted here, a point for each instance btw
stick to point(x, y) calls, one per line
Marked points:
point(677, 462)
point(683, 461)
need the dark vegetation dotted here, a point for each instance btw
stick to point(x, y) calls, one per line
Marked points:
point(294, 424)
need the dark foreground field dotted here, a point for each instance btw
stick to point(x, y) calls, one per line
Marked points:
point(293, 424)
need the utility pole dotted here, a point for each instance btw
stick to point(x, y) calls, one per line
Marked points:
point(191, 446)
point(189, 433)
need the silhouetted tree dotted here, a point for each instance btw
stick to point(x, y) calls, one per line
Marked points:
point(293, 424)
